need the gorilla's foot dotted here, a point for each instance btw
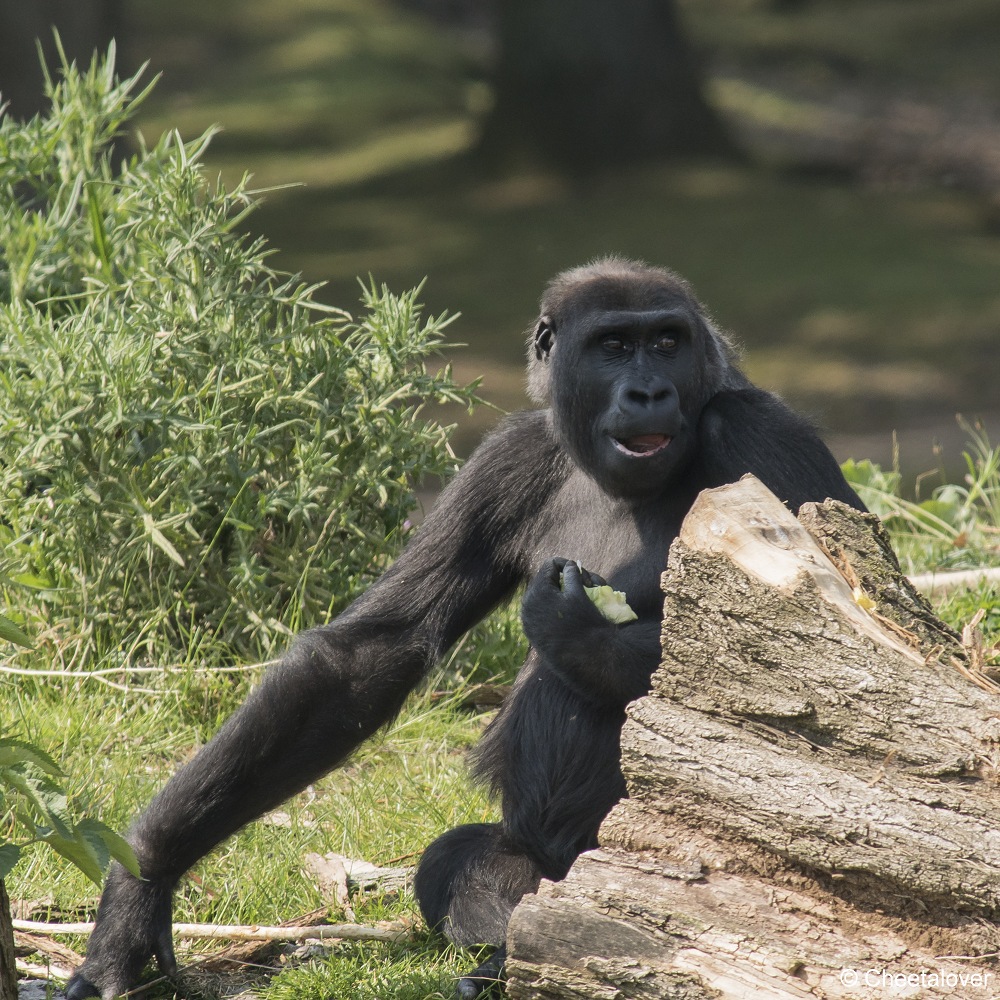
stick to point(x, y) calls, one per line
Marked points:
point(486, 980)
point(133, 923)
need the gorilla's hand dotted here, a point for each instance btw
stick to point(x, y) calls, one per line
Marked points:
point(560, 620)
point(607, 664)
point(133, 923)
point(556, 609)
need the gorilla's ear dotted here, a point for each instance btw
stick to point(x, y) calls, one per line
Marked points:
point(540, 343)
point(545, 333)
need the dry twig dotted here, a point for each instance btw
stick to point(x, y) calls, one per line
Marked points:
point(240, 932)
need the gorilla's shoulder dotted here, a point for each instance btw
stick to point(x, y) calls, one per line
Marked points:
point(534, 426)
point(521, 454)
point(521, 437)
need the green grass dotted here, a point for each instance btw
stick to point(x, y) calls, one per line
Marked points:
point(376, 973)
point(400, 791)
point(948, 525)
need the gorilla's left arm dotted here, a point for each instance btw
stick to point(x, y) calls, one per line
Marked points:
point(752, 431)
point(340, 682)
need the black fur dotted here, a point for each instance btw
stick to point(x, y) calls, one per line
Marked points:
point(622, 353)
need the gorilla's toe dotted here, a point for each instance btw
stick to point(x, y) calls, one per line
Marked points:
point(486, 980)
point(80, 987)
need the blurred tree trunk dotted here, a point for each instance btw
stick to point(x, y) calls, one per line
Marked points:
point(83, 25)
point(8, 972)
point(588, 83)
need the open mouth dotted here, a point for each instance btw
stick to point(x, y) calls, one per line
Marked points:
point(643, 445)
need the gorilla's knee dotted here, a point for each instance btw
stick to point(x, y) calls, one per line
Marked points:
point(468, 882)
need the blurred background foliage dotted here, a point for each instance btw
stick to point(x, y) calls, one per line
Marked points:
point(850, 238)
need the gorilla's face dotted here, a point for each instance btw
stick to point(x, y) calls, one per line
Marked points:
point(620, 382)
point(625, 365)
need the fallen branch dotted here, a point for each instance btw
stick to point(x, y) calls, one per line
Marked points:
point(393, 933)
point(935, 584)
point(30, 971)
point(55, 951)
point(103, 676)
point(118, 671)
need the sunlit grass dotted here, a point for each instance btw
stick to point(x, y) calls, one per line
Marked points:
point(947, 525)
point(400, 790)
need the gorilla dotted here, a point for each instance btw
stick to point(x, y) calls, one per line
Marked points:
point(641, 407)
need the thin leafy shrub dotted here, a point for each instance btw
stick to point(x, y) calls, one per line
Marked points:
point(33, 802)
point(956, 527)
point(192, 447)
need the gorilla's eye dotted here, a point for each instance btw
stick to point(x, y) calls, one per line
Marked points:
point(666, 340)
point(614, 343)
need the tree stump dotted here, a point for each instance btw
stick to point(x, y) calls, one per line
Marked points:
point(813, 807)
point(8, 970)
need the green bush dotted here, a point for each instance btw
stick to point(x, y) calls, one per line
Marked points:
point(192, 447)
point(33, 802)
point(957, 527)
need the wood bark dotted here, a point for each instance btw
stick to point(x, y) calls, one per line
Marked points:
point(8, 970)
point(813, 806)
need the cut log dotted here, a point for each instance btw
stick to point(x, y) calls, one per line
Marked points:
point(813, 806)
point(8, 973)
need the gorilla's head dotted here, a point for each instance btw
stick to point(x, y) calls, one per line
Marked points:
point(626, 357)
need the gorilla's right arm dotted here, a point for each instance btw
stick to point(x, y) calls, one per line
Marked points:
point(334, 688)
point(606, 664)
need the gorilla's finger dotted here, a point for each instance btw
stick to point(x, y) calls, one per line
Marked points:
point(80, 987)
point(163, 949)
point(593, 579)
point(572, 578)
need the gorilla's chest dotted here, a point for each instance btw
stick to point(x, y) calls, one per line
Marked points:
point(627, 544)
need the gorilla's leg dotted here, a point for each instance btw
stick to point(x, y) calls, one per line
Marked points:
point(469, 881)
point(305, 716)
point(552, 758)
point(467, 884)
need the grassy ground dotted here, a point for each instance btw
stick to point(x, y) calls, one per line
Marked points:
point(405, 787)
point(401, 790)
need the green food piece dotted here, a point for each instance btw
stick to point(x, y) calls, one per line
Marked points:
point(611, 604)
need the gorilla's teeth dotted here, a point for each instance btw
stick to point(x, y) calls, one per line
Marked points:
point(643, 445)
